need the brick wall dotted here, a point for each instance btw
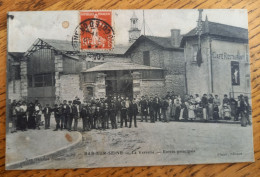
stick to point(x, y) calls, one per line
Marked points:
point(24, 82)
point(152, 87)
point(70, 87)
point(175, 83)
point(155, 54)
point(173, 64)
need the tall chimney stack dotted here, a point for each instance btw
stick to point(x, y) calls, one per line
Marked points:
point(175, 37)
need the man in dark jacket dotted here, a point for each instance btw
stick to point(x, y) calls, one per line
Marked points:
point(144, 108)
point(133, 111)
point(123, 114)
point(57, 114)
point(157, 108)
point(47, 115)
point(118, 109)
point(151, 109)
point(69, 116)
point(64, 115)
point(75, 113)
point(205, 108)
point(84, 114)
point(106, 115)
point(112, 114)
point(92, 115)
point(165, 105)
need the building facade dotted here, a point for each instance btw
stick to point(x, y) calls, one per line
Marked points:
point(225, 60)
point(51, 70)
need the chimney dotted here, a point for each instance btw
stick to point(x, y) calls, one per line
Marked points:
point(175, 37)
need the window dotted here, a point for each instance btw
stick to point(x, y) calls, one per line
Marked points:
point(38, 81)
point(43, 80)
point(146, 58)
point(195, 48)
point(30, 81)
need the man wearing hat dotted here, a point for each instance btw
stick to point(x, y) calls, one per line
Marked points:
point(84, 114)
point(47, 114)
point(64, 116)
point(157, 108)
point(13, 115)
point(69, 116)
point(92, 115)
point(151, 106)
point(112, 114)
point(57, 115)
point(75, 116)
point(133, 111)
point(144, 108)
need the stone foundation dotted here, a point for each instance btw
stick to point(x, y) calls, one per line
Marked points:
point(152, 87)
point(24, 80)
point(70, 87)
point(100, 86)
point(14, 90)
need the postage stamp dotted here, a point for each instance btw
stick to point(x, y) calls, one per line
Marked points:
point(94, 31)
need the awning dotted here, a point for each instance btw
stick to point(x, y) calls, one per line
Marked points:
point(117, 66)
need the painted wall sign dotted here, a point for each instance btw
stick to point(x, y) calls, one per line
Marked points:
point(226, 56)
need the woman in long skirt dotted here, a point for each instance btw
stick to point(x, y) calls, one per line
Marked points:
point(185, 111)
point(23, 117)
point(173, 108)
point(177, 110)
point(243, 112)
point(191, 111)
point(168, 113)
point(210, 106)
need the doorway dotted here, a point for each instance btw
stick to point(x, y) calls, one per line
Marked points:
point(119, 83)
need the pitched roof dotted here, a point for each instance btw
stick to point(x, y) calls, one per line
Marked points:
point(60, 45)
point(16, 56)
point(63, 45)
point(219, 29)
point(115, 66)
point(164, 42)
point(118, 49)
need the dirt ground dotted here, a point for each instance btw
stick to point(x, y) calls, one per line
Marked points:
point(158, 144)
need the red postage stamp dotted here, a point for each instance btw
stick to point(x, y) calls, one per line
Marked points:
point(96, 30)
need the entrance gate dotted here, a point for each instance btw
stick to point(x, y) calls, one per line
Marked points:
point(119, 83)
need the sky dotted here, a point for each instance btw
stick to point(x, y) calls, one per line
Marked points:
point(26, 27)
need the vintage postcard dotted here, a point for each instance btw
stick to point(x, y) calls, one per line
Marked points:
point(115, 88)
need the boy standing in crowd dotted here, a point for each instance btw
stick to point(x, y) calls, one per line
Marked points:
point(57, 115)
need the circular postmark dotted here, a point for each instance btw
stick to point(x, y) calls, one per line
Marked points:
point(91, 34)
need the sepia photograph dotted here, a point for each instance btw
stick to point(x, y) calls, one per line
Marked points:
point(116, 88)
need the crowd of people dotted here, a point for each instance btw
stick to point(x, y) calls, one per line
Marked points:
point(113, 112)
